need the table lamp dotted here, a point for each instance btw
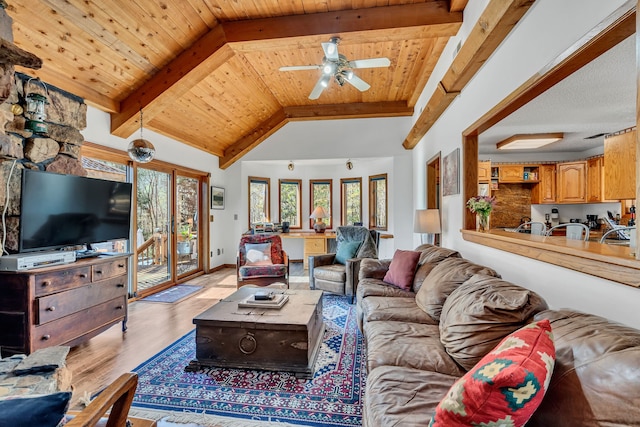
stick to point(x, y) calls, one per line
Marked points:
point(318, 214)
point(427, 221)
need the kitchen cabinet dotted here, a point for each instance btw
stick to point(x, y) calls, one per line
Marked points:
point(620, 166)
point(510, 173)
point(484, 171)
point(572, 182)
point(595, 180)
point(545, 190)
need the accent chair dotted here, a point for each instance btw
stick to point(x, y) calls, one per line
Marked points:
point(261, 260)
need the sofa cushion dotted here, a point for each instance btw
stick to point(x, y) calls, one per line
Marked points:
point(397, 309)
point(376, 287)
point(331, 273)
point(254, 271)
point(430, 256)
point(446, 276)
point(402, 269)
point(481, 312)
point(506, 386)
point(347, 250)
point(596, 381)
point(46, 410)
point(413, 345)
point(397, 396)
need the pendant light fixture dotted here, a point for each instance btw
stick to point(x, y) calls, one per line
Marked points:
point(140, 150)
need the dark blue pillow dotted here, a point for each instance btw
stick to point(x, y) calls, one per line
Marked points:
point(347, 250)
point(44, 410)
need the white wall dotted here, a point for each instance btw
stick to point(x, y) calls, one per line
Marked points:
point(549, 28)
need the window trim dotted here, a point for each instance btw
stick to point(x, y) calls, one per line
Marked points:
point(343, 210)
point(312, 204)
point(372, 201)
point(267, 207)
point(298, 182)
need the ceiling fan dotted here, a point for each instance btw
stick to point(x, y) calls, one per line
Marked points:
point(339, 67)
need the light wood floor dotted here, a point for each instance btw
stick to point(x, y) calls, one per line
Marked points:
point(150, 328)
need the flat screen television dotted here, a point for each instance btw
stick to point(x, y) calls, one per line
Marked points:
point(68, 210)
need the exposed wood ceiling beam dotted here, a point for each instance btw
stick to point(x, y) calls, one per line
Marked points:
point(344, 21)
point(175, 79)
point(348, 111)
point(213, 49)
point(311, 112)
point(458, 5)
point(492, 27)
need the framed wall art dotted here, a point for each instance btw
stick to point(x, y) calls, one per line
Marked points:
point(451, 173)
point(217, 197)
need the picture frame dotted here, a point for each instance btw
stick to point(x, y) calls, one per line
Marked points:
point(451, 173)
point(217, 197)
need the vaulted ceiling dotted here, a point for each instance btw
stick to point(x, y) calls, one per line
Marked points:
point(206, 72)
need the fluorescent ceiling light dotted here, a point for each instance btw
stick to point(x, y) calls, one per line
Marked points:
point(530, 141)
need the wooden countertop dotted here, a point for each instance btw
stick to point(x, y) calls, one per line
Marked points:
point(613, 262)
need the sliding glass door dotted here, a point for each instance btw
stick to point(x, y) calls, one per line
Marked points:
point(187, 208)
point(153, 229)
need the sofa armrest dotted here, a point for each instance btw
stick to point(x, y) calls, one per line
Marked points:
point(352, 270)
point(371, 268)
point(317, 261)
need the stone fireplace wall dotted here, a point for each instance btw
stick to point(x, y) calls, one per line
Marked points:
point(58, 151)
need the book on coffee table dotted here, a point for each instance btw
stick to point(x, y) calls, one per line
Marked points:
point(276, 301)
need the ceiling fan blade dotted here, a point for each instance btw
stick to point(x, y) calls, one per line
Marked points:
point(301, 67)
point(358, 83)
point(370, 63)
point(318, 88)
point(330, 50)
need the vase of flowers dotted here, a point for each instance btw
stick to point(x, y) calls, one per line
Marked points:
point(482, 206)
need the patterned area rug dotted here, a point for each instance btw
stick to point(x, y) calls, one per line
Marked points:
point(173, 294)
point(333, 397)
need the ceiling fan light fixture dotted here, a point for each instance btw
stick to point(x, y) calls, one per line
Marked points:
point(324, 81)
point(348, 74)
point(529, 141)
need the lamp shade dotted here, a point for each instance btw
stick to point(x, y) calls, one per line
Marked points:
point(319, 213)
point(426, 221)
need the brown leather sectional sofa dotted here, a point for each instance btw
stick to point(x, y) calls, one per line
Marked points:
point(419, 342)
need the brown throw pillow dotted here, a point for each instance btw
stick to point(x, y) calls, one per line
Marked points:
point(402, 269)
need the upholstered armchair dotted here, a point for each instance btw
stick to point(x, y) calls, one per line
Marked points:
point(261, 260)
point(338, 272)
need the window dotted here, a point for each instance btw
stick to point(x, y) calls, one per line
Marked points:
point(258, 200)
point(378, 201)
point(321, 192)
point(351, 201)
point(290, 202)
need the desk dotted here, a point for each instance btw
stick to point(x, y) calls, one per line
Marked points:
point(314, 243)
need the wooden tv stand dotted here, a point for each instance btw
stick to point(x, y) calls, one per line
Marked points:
point(63, 304)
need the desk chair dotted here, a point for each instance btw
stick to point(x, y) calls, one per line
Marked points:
point(575, 230)
point(537, 228)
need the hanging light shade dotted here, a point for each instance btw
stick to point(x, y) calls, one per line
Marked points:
point(140, 150)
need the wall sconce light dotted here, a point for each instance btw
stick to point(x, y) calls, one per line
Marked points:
point(36, 114)
point(291, 166)
point(140, 150)
point(349, 164)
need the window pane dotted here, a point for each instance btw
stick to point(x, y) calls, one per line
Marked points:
point(351, 201)
point(290, 202)
point(321, 196)
point(378, 201)
point(258, 200)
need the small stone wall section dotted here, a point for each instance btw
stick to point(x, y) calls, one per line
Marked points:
point(58, 151)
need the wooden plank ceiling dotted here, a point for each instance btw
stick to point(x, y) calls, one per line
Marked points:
point(206, 72)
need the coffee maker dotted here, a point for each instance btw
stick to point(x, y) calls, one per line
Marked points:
point(592, 222)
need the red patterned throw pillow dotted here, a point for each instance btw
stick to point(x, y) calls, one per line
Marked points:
point(506, 386)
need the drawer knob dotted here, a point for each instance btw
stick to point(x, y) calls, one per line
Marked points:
point(120, 285)
point(46, 337)
point(120, 307)
point(98, 271)
point(52, 308)
point(120, 265)
point(83, 276)
point(46, 283)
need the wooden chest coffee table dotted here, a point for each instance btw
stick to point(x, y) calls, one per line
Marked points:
point(284, 339)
